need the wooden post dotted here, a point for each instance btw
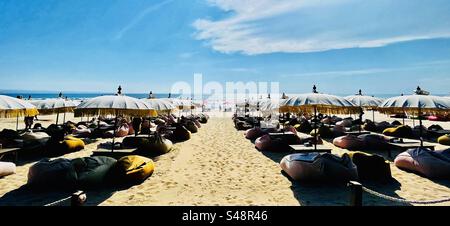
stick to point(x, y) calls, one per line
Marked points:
point(355, 193)
point(78, 198)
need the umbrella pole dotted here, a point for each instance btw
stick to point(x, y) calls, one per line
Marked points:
point(17, 122)
point(404, 115)
point(420, 129)
point(360, 118)
point(64, 119)
point(114, 134)
point(315, 128)
point(57, 117)
point(373, 115)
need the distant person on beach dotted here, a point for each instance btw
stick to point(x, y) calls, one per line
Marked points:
point(29, 122)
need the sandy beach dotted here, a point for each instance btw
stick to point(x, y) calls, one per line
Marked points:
point(218, 166)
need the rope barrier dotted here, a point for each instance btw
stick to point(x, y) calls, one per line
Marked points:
point(404, 201)
point(59, 202)
point(356, 190)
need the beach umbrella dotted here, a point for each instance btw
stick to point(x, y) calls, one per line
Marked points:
point(115, 105)
point(314, 102)
point(160, 105)
point(367, 102)
point(54, 106)
point(11, 107)
point(418, 103)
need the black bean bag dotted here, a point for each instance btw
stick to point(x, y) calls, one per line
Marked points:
point(371, 167)
point(52, 175)
point(92, 172)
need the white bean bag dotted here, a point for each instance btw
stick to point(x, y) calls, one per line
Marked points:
point(7, 168)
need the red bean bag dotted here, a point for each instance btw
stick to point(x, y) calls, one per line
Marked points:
point(349, 142)
point(122, 131)
point(253, 134)
point(375, 142)
point(319, 167)
point(432, 164)
point(345, 123)
point(265, 143)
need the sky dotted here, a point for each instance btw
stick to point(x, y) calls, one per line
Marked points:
point(381, 47)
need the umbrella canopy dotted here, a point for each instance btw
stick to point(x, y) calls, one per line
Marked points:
point(54, 105)
point(412, 103)
point(11, 107)
point(368, 102)
point(160, 105)
point(115, 105)
point(318, 102)
point(270, 105)
point(181, 103)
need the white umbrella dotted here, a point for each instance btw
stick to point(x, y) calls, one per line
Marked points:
point(416, 103)
point(115, 105)
point(160, 105)
point(54, 105)
point(367, 102)
point(11, 107)
point(318, 102)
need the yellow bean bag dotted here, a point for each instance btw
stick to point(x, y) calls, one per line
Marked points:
point(72, 144)
point(132, 169)
point(444, 140)
point(400, 131)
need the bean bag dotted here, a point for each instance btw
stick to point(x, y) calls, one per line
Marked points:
point(191, 127)
point(396, 123)
point(108, 134)
point(198, 124)
point(327, 120)
point(435, 127)
point(338, 131)
point(82, 131)
point(400, 131)
point(203, 120)
point(69, 127)
point(319, 167)
point(253, 134)
point(122, 131)
point(131, 130)
point(371, 167)
point(92, 172)
point(68, 145)
point(304, 127)
point(7, 168)
point(381, 126)
point(345, 123)
point(180, 134)
point(31, 138)
point(437, 118)
point(370, 126)
point(52, 174)
point(132, 169)
point(431, 164)
point(324, 132)
point(290, 129)
point(155, 145)
point(349, 142)
point(375, 142)
point(265, 143)
point(444, 140)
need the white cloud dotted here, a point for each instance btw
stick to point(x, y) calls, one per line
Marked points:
point(267, 26)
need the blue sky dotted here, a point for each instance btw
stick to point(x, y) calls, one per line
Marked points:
point(341, 45)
